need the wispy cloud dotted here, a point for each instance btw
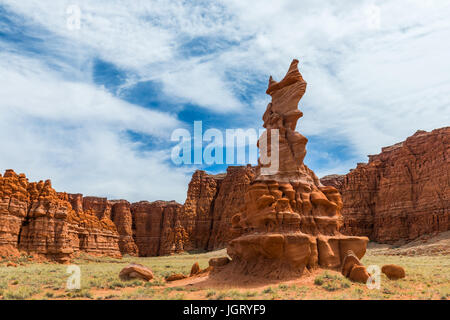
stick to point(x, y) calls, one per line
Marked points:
point(376, 70)
point(74, 133)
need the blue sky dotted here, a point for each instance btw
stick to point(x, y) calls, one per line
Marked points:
point(94, 108)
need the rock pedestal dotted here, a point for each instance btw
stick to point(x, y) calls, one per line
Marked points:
point(289, 220)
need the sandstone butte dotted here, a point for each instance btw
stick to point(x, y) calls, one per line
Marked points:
point(401, 193)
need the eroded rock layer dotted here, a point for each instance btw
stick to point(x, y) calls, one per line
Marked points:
point(401, 193)
point(35, 218)
point(289, 221)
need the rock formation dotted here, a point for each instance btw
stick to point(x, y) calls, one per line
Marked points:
point(136, 271)
point(289, 220)
point(393, 272)
point(157, 229)
point(36, 219)
point(401, 193)
point(353, 269)
point(211, 202)
point(98, 225)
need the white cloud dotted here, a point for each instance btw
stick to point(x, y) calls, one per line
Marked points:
point(73, 133)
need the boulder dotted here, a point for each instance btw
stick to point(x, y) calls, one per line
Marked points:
point(359, 274)
point(288, 221)
point(136, 271)
point(393, 271)
point(414, 175)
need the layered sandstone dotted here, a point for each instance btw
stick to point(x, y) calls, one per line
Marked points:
point(228, 202)
point(198, 208)
point(157, 229)
point(401, 193)
point(36, 219)
point(289, 221)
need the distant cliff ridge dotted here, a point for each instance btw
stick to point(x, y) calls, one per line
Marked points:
point(401, 193)
point(36, 219)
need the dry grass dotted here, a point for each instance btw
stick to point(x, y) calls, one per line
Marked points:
point(427, 278)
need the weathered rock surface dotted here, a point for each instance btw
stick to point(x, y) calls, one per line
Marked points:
point(157, 229)
point(117, 212)
point(228, 202)
point(60, 224)
point(289, 221)
point(136, 271)
point(401, 193)
point(349, 262)
point(359, 274)
point(122, 218)
point(353, 269)
point(197, 212)
point(175, 277)
point(195, 269)
point(36, 219)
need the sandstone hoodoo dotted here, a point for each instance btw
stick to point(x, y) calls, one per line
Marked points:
point(289, 221)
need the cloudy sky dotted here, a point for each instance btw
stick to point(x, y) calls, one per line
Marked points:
point(93, 105)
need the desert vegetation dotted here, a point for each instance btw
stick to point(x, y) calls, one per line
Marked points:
point(23, 278)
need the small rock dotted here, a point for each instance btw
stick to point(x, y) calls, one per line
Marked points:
point(359, 274)
point(195, 269)
point(11, 264)
point(176, 276)
point(136, 271)
point(218, 262)
point(393, 271)
point(350, 260)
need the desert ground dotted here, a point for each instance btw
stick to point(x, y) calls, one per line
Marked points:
point(426, 261)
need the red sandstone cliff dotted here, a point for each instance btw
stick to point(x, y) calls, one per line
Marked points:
point(36, 219)
point(401, 193)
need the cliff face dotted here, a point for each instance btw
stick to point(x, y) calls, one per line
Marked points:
point(228, 202)
point(401, 193)
point(197, 215)
point(37, 219)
